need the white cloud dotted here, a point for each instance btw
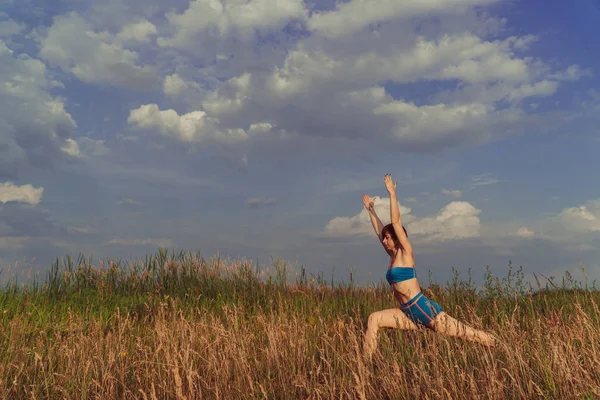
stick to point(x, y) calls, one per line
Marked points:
point(211, 19)
point(462, 56)
point(541, 88)
point(457, 220)
point(24, 193)
point(581, 219)
point(95, 57)
point(186, 127)
point(324, 90)
point(139, 31)
point(71, 148)
point(175, 85)
point(452, 193)
point(428, 124)
point(34, 125)
point(352, 16)
point(572, 73)
point(85, 147)
point(191, 127)
point(411, 200)
point(231, 97)
point(575, 227)
point(93, 147)
point(525, 233)
point(311, 87)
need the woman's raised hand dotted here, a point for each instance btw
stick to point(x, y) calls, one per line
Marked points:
point(389, 184)
point(368, 202)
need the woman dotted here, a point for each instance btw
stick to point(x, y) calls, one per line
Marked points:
point(415, 308)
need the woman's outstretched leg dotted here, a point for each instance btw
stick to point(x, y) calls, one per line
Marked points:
point(450, 326)
point(391, 318)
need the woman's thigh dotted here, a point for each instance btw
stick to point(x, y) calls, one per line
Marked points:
point(392, 318)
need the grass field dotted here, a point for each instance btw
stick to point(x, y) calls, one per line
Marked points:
point(181, 326)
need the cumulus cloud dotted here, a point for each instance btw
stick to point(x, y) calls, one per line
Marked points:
point(139, 31)
point(97, 57)
point(525, 233)
point(584, 218)
point(325, 92)
point(572, 73)
point(175, 85)
point(575, 227)
point(191, 127)
point(259, 202)
point(430, 124)
point(333, 87)
point(186, 127)
point(23, 193)
point(84, 147)
point(462, 56)
point(210, 19)
point(93, 147)
point(457, 220)
point(25, 92)
point(452, 193)
point(352, 16)
point(71, 148)
point(236, 36)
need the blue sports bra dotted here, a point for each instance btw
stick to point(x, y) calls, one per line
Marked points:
point(400, 274)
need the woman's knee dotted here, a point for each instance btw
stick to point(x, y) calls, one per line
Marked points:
point(374, 319)
point(440, 323)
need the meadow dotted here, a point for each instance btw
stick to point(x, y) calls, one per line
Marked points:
point(179, 326)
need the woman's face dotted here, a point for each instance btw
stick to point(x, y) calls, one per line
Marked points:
point(388, 242)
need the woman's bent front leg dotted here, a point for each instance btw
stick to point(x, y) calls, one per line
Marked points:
point(390, 318)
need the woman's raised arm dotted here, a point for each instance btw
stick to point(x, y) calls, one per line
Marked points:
point(369, 203)
point(395, 214)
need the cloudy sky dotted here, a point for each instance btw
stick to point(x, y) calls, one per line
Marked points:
point(252, 128)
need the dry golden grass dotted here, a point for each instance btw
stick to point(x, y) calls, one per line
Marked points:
point(172, 349)
point(278, 355)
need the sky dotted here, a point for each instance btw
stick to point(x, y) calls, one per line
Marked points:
point(252, 128)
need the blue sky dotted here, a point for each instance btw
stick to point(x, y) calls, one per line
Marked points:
point(251, 128)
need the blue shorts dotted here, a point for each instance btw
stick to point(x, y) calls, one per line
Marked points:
point(421, 310)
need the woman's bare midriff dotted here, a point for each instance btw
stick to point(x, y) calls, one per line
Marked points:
point(405, 291)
